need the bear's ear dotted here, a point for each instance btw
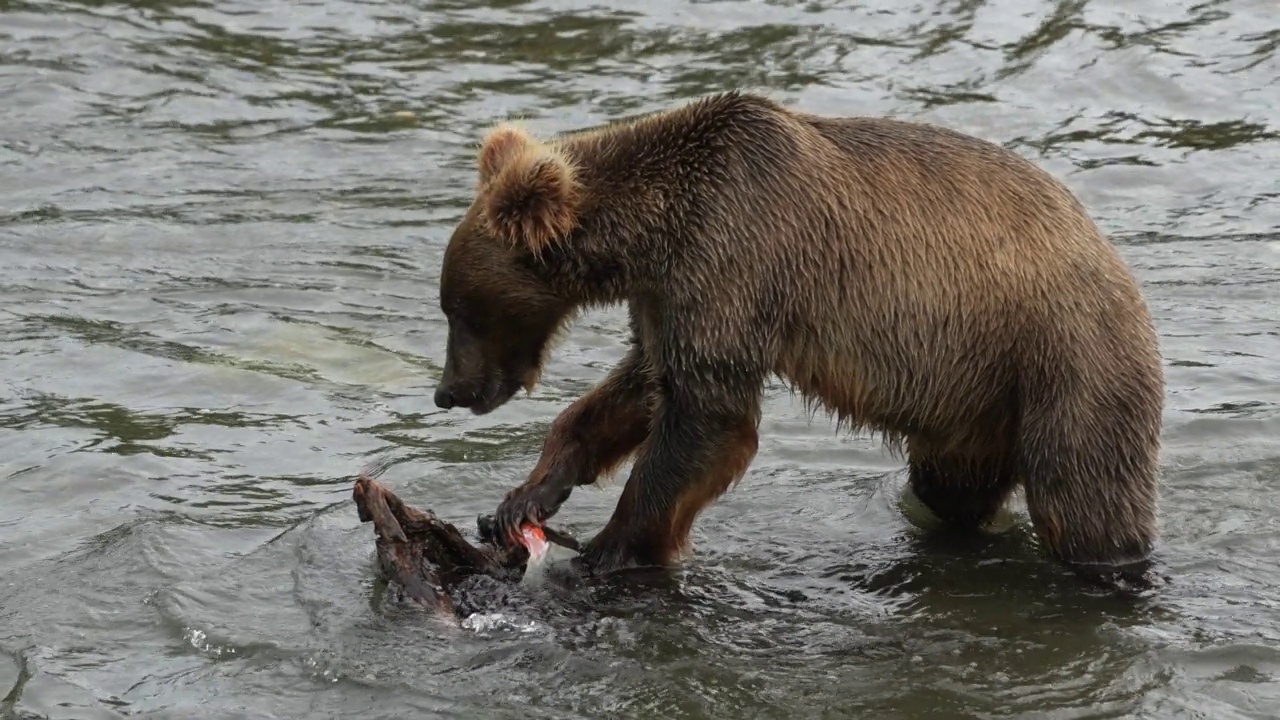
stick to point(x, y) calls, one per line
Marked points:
point(534, 198)
point(501, 144)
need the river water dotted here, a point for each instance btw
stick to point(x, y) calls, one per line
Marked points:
point(220, 232)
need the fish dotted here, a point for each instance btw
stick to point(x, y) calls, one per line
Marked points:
point(426, 559)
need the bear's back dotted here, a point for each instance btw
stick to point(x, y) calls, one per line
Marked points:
point(925, 255)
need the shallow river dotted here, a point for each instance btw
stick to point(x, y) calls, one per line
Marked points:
point(220, 233)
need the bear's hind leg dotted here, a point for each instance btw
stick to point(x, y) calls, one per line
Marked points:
point(962, 491)
point(1091, 486)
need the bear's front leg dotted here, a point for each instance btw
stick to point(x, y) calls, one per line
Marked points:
point(690, 459)
point(591, 437)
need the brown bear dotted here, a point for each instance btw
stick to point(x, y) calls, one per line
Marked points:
point(914, 281)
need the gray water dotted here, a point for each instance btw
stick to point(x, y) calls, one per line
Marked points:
point(220, 232)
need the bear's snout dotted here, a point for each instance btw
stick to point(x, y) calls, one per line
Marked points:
point(444, 398)
point(478, 397)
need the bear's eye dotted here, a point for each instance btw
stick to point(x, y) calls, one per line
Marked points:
point(464, 319)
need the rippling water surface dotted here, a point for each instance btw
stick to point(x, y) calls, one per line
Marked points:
point(220, 233)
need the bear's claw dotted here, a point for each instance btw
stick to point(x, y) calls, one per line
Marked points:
point(525, 505)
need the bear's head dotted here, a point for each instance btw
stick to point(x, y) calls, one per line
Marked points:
point(501, 305)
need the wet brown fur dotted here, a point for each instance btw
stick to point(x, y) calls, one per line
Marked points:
point(911, 280)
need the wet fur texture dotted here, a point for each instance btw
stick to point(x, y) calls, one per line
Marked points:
point(909, 279)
